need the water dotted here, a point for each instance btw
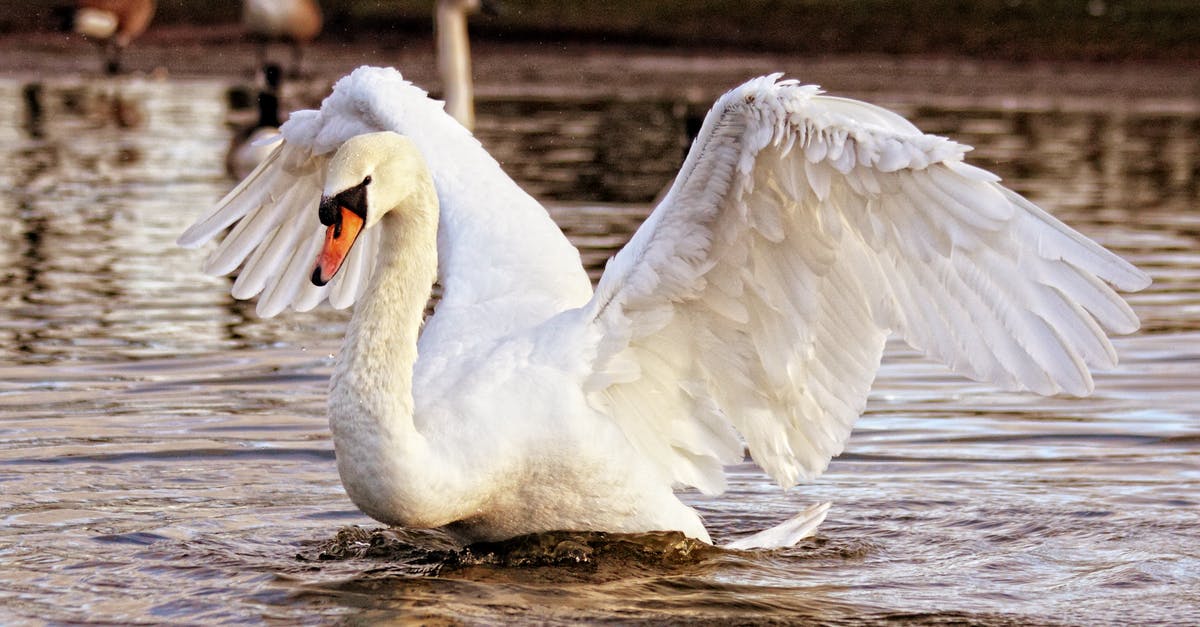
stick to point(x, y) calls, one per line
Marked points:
point(164, 455)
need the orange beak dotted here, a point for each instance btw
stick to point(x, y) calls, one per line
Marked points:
point(339, 238)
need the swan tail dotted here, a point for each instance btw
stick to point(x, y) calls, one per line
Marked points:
point(787, 533)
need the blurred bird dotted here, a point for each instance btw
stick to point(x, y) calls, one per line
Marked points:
point(454, 55)
point(113, 24)
point(295, 22)
point(251, 145)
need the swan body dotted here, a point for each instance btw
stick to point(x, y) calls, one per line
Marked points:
point(750, 310)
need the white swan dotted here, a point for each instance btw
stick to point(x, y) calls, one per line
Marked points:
point(751, 306)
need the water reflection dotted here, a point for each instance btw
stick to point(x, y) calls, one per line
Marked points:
point(155, 435)
point(1114, 160)
point(610, 151)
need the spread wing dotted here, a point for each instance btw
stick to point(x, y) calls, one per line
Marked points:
point(275, 232)
point(801, 231)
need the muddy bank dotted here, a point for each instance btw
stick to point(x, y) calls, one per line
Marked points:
point(1022, 30)
point(558, 70)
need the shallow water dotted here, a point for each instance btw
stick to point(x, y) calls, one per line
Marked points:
point(164, 455)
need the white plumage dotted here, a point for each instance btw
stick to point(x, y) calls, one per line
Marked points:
point(750, 309)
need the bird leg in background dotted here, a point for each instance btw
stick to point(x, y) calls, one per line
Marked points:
point(297, 60)
point(112, 56)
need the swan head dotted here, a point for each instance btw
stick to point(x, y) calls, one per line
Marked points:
point(368, 177)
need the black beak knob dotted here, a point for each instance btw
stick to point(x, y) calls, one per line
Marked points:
point(328, 211)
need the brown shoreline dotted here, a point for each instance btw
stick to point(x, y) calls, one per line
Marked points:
point(578, 70)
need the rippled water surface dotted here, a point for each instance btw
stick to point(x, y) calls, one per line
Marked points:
point(164, 455)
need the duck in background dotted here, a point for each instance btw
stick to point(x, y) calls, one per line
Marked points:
point(250, 146)
point(295, 22)
point(113, 24)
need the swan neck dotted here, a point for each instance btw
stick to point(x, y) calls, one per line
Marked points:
point(380, 453)
point(371, 398)
point(454, 61)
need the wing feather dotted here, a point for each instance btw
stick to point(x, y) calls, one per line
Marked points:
point(275, 230)
point(802, 230)
point(244, 197)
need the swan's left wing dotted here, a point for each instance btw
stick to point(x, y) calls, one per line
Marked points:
point(502, 261)
point(802, 229)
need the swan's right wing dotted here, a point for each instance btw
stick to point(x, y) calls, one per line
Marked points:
point(756, 299)
point(269, 225)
